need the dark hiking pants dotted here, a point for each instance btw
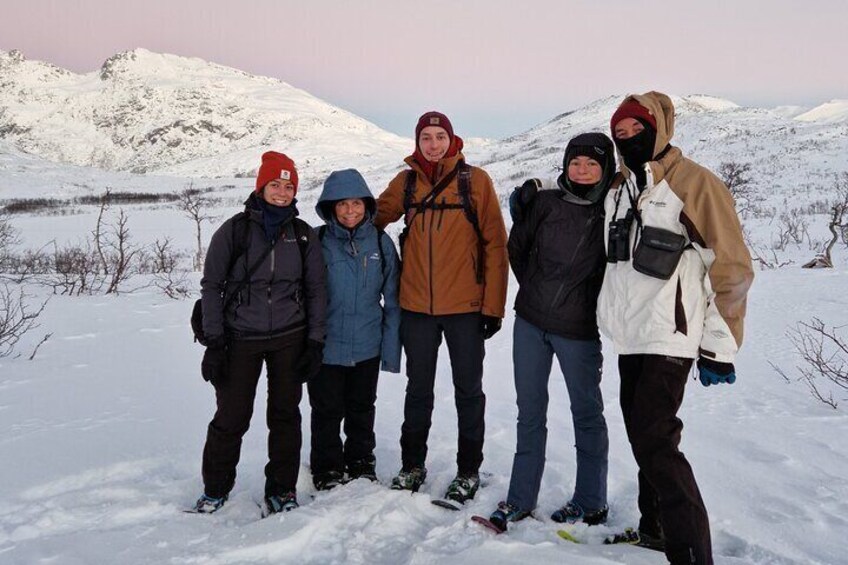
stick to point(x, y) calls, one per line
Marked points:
point(580, 360)
point(651, 393)
point(235, 407)
point(421, 335)
point(343, 393)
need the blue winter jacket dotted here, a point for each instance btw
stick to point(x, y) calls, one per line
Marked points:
point(359, 327)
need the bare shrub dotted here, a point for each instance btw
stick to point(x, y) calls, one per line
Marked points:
point(194, 205)
point(76, 270)
point(736, 176)
point(824, 356)
point(163, 262)
point(836, 223)
point(17, 317)
point(122, 254)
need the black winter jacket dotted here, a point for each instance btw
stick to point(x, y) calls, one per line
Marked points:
point(557, 254)
point(285, 294)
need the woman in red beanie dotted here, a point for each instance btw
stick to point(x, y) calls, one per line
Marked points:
point(264, 300)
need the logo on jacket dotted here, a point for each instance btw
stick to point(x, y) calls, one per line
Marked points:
point(375, 256)
point(658, 203)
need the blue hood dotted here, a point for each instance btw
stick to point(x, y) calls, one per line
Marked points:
point(340, 185)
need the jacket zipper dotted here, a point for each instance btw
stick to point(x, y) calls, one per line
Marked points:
point(270, 282)
point(580, 243)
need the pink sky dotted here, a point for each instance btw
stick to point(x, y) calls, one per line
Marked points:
point(496, 67)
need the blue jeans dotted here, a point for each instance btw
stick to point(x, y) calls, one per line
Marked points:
point(580, 361)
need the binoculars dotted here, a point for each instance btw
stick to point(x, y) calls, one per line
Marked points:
point(618, 240)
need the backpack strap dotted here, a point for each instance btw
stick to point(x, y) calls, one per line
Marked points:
point(409, 189)
point(301, 235)
point(464, 182)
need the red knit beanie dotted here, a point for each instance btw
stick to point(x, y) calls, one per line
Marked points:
point(275, 166)
point(433, 119)
point(632, 109)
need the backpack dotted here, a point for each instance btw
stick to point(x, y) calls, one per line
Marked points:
point(241, 240)
point(463, 174)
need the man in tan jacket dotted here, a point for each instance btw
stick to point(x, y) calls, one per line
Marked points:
point(453, 283)
point(674, 291)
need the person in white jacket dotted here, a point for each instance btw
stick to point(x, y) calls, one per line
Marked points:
point(674, 291)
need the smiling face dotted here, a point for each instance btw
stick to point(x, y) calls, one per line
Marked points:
point(350, 211)
point(584, 170)
point(278, 192)
point(434, 143)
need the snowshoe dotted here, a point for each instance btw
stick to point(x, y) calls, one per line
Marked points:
point(463, 488)
point(573, 512)
point(328, 480)
point(505, 514)
point(277, 503)
point(636, 537)
point(410, 480)
point(207, 504)
point(365, 468)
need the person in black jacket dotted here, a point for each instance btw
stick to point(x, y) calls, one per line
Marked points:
point(277, 317)
point(556, 250)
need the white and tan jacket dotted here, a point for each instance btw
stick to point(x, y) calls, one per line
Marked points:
point(700, 309)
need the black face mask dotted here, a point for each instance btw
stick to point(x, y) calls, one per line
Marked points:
point(637, 150)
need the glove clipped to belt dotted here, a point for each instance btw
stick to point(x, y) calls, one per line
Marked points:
point(713, 372)
point(309, 364)
point(215, 361)
point(490, 325)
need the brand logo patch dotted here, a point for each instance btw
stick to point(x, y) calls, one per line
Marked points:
point(434, 121)
point(285, 175)
point(375, 256)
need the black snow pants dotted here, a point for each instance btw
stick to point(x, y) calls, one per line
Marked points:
point(235, 397)
point(421, 335)
point(652, 389)
point(343, 393)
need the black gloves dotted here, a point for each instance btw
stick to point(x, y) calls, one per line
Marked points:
point(521, 197)
point(215, 361)
point(309, 364)
point(491, 325)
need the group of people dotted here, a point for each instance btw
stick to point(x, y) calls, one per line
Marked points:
point(650, 253)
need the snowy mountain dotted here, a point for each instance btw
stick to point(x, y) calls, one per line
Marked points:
point(147, 112)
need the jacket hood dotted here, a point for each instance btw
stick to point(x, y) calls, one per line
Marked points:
point(603, 154)
point(662, 108)
point(341, 185)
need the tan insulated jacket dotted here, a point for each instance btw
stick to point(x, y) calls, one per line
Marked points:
point(440, 252)
point(700, 310)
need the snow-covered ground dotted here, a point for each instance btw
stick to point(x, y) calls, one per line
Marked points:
point(101, 437)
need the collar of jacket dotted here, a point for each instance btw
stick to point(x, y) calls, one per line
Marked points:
point(358, 234)
point(443, 167)
point(660, 168)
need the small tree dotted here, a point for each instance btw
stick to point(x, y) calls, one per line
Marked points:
point(836, 223)
point(105, 199)
point(123, 254)
point(825, 359)
point(16, 318)
point(9, 237)
point(194, 206)
point(736, 177)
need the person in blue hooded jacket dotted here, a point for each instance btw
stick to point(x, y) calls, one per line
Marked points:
point(363, 331)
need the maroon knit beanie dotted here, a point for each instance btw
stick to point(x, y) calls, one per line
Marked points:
point(275, 166)
point(632, 109)
point(433, 119)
